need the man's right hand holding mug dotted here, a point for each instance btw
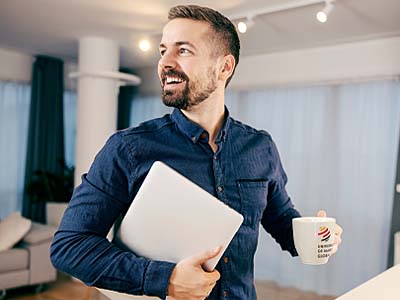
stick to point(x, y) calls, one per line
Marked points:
point(189, 281)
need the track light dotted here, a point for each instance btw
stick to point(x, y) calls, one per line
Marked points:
point(322, 15)
point(244, 25)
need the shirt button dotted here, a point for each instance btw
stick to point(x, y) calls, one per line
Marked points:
point(215, 157)
point(225, 293)
point(220, 188)
point(226, 260)
point(193, 138)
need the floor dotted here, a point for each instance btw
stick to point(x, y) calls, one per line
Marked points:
point(67, 289)
point(271, 290)
point(63, 289)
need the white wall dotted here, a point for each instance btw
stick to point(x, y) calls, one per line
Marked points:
point(17, 66)
point(346, 62)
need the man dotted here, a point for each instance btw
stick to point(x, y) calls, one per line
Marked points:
point(236, 163)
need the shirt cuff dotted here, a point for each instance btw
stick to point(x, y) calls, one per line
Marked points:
point(156, 278)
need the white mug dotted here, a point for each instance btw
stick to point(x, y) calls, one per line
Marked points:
point(314, 238)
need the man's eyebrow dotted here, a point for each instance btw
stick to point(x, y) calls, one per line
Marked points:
point(180, 44)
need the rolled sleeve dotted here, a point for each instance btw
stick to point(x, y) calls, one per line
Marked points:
point(157, 277)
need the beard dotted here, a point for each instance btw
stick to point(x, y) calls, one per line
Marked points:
point(194, 92)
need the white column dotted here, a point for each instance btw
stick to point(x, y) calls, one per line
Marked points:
point(97, 99)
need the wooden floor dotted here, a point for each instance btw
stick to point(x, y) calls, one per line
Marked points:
point(67, 289)
point(63, 289)
point(268, 290)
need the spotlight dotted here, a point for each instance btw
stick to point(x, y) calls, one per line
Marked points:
point(243, 26)
point(144, 45)
point(322, 15)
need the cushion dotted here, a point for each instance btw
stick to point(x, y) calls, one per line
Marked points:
point(12, 229)
point(14, 259)
point(39, 233)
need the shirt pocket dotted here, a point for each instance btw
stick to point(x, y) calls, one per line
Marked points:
point(253, 200)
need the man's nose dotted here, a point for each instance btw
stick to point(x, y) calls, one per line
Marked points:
point(167, 61)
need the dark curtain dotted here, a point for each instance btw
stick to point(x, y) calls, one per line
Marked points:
point(45, 150)
point(125, 97)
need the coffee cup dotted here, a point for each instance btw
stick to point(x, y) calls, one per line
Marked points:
point(314, 238)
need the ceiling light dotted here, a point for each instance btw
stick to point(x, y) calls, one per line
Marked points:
point(322, 15)
point(144, 45)
point(244, 25)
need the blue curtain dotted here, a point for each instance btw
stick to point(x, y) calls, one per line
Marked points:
point(45, 150)
point(125, 96)
point(14, 115)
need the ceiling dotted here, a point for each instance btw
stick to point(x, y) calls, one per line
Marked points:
point(53, 27)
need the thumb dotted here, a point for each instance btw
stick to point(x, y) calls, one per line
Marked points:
point(321, 214)
point(199, 259)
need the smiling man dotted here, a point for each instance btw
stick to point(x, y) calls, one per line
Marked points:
point(188, 74)
point(236, 163)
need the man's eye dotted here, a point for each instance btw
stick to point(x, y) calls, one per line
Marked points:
point(162, 52)
point(184, 51)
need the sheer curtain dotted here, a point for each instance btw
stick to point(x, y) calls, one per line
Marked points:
point(14, 115)
point(147, 107)
point(339, 148)
point(338, 145)
point(69, 126)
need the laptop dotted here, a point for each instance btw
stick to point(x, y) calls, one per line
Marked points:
point(172, 218)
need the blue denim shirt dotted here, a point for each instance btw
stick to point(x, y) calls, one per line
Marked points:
point(245, 173)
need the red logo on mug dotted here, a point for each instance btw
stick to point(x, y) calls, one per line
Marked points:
point(324, 233)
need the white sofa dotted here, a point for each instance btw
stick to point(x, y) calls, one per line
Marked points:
point(28, 263)
point(397, 248)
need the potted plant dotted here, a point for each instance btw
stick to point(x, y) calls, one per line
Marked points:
point(54, 189)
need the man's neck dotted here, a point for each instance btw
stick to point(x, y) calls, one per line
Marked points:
point(209, 114)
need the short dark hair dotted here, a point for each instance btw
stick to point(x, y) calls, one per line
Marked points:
point(223, 27)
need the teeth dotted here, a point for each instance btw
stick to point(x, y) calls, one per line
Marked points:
point(173, 79)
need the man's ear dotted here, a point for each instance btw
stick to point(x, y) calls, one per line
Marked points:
point(227, 67)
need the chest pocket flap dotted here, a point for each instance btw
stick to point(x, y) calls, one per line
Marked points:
point(253, 198)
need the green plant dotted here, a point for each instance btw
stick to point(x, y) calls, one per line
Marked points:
point(47, 186)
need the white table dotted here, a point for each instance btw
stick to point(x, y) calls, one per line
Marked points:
point(385, 286)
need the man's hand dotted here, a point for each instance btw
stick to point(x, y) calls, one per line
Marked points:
point(188, 279)
point(338, 232)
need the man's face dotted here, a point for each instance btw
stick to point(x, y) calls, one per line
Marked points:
point(187, 67)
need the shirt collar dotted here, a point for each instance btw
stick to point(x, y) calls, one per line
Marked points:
point(194, 131)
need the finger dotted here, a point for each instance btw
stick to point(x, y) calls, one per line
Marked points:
point(337, 240)
point(210, 288)
point(201, 258)
point(213, 277)
point(338, 230)
point(321, 214)
point(334, 249)
point(202, 294)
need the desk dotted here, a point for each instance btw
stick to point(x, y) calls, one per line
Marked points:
point(385, 286)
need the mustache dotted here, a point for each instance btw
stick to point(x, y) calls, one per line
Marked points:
point(173, 73)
